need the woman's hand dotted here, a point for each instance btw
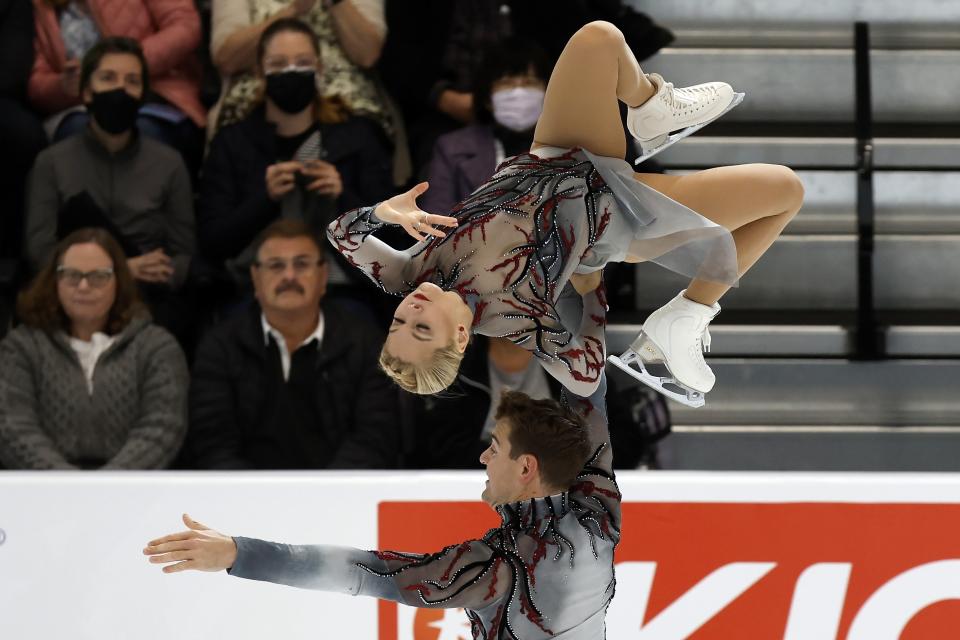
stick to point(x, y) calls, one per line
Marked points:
point(325, 179)
point(70, 78)
point(281, 179)
point(201, 549)
point(403, 210)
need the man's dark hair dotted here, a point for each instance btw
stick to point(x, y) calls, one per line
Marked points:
point(550, 432)
point(284, 25)
point(288, 228)
point(512, 57)
point(113, 44)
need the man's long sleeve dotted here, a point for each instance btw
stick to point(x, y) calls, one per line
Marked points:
point(471, 575)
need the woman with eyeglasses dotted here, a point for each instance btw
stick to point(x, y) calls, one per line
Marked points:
point(296, 154)
point(88, 381)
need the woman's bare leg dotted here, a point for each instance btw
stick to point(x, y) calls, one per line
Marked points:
point(754, 201)
point(580, 108)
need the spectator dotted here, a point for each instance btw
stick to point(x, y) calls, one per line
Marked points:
point(169, 33)
point(508, 100)
point(20, 131)
point(453, 430)
point(434, 48)
point(297, 155)
point(88, 382)
point(293, 383)
point(350, 33)
point(111, 176)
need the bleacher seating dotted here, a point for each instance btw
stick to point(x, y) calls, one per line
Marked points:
point(793, 390)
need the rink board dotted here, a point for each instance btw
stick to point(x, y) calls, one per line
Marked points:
point(704, 555)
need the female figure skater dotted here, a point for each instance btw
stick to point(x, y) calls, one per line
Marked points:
point(555, 216)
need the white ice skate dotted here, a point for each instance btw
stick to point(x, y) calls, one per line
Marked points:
point(682, 111)
point(675, 335)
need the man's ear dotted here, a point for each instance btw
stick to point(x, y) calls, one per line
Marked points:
point(530, 468)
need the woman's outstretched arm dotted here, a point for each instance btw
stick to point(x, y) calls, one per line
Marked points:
point(352, 235)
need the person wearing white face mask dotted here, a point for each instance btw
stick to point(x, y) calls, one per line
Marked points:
point(508, 100)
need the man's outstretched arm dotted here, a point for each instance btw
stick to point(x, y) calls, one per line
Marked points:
point(471, 575)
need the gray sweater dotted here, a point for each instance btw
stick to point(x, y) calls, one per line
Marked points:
point(135, 418)
point(143, 189)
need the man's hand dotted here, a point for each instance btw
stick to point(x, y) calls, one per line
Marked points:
point(403, 210)
point(201, 549)
point(155, 266)
point(326, 179)
point(281, 178)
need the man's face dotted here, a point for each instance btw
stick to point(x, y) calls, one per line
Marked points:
point(505, 476)
point(116, 71)
point(288, 276)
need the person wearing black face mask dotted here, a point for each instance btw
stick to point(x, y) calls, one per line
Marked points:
point(292, 90)
point(297, 154)
point(114, 110)
point(110, 176)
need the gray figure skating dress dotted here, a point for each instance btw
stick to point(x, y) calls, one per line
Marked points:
point(541, 218)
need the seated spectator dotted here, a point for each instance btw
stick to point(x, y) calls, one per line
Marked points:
point(453, 430)
point(110, 176)
point(292, 383)
point(435, 47)
point(169, 33)
point(350, 33)
point(20, 130)
point(87, 381)
point(508, 100)
point(297, 155)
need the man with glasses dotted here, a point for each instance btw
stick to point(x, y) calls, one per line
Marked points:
point(292, 383)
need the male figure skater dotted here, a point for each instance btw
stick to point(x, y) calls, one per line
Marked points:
point(545, 572)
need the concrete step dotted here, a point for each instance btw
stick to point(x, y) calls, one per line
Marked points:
point(797, 341)
point(818, 448)
point(906, 202)
point(912, 272)
point(702, 151)
point(816, 85)
point(893, 23)
point(825, 392)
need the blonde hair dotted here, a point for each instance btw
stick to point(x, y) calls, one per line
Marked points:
point(433, 376)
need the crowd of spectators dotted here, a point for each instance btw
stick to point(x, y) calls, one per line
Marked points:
point(166, 300)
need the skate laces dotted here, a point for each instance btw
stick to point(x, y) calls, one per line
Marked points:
point(700, 346)
point(687, 97)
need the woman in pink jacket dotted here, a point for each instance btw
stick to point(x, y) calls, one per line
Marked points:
point(168, 31)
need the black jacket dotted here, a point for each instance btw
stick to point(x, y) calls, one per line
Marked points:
point(234, 206)
point(234, 372)
point(447, 428)
point(16, 47)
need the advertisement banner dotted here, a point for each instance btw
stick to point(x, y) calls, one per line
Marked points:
point(704, 556)
point(704, 571)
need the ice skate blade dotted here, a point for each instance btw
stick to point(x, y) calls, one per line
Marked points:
point(692, 398)
point(649, 151)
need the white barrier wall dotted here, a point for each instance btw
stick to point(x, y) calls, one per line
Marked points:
point(704, 555)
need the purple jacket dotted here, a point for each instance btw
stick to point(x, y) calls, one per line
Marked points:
point(462, 161)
